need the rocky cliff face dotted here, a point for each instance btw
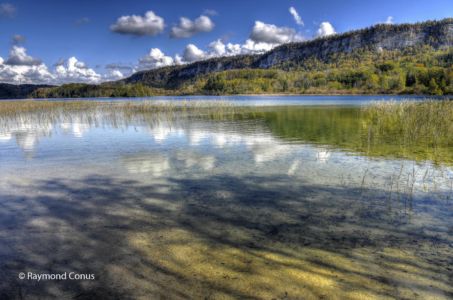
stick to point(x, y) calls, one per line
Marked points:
point(172, 76)
point(380, 37)
point(436, 34)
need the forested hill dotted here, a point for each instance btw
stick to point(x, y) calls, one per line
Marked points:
point(386, 59)
point(11, 91)
point(379, 38)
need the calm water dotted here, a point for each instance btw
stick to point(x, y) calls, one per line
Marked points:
point(291, 201)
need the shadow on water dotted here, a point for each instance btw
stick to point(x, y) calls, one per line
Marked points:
point(222, 237)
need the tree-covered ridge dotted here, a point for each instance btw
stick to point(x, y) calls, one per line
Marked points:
point(81, 90)
point(419, 70)
point(385, 59)
point(381, 37)
point(436, 33)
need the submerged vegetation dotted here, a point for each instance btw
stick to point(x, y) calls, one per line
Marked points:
point(418, 131)
point(422, 129)
point(294, 227)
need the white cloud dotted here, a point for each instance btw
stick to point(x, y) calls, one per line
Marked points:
point(250, 47)
point(71, 70)
point(75, 71)
point(263, 38)
point(22, 68)
point(296, 16)
point(325, 29)
point(155, 59)
point(187, 28)
point(115, 71)
point(178, 59)
point(269, 33)
point(218, 48)
point(18, 57)
point(193, 53)
point(233, 49)
point(149, 24)
point(18, 74)
point(389, 20)
point(113, 74)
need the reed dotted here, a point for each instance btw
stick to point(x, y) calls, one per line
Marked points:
point(430, 120)
point(424, 128)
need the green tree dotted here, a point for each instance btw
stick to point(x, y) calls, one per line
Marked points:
point(433, 87)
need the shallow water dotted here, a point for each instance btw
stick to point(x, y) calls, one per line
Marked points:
point(290, 202)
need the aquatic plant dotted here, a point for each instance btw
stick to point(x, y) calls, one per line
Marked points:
point(421, 129)
point(417, 130)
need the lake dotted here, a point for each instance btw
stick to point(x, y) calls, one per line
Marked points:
point(248, 198)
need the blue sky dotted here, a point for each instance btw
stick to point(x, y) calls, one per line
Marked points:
point(51, 32)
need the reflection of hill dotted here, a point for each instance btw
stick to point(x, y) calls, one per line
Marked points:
point(347, 128)
point(351, 129)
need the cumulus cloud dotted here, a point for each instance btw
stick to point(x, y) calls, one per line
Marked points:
point(116, 71)
point(18, 57)
point(296, 16)
point(25, 74)
point(21, 68)
point(389, 20)
point(149, 24)
point(193, 53)
point(251, 47)
point(263, 38)
point(325, 29)
point(155, 59)
point(74, 70)
point(269, 33)
point(187, 28)
point(218, 47)
point(7, 10)
point(113, 74)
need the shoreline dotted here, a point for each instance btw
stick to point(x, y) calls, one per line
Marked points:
point(244, 95)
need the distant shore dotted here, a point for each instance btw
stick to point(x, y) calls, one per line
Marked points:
point(248, 95)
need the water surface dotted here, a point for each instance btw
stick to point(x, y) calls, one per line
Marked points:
point(284, 201)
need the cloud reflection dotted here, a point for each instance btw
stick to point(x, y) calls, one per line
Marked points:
point(155, 164)
point(26, 134)
point(77, 128)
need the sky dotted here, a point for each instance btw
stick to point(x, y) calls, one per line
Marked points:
point(60, 41)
